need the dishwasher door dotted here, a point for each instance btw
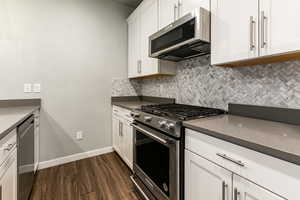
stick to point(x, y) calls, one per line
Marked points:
point(25, 158)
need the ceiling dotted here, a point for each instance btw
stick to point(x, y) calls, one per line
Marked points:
point(131, 3)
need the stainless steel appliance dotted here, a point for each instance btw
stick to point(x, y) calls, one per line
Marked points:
point(185, 38)
point(25, 158)
point(159, 148)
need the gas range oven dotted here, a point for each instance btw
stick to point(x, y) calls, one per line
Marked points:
point(158, 154)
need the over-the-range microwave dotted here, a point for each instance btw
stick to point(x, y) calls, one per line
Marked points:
point(185, 38)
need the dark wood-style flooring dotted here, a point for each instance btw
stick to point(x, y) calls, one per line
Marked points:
point(103, 177)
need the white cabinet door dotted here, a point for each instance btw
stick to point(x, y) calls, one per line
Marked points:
point(280, 20)
point(246, 190)
point(234, 30)
point(149, 25)
point(116, 134)
point(168, 12)
point(186, 6)
point(128, 143)
point(134, 44)
point(8, 180)
point(205, 180)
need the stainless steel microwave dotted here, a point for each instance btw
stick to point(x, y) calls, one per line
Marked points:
point(185, 38)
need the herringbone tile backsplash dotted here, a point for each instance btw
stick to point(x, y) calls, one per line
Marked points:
point(198, 83)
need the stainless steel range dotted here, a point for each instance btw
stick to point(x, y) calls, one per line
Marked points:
point(158, 160)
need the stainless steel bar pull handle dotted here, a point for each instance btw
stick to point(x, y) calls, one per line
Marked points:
point(179, 8)
point(236, 194)
point(224, 188)
point(252, 33)
point(149, 134)
point(238, 162)
point(175, 11)
point(263, 29)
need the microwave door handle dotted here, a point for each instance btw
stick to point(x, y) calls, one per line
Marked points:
point(149, 134)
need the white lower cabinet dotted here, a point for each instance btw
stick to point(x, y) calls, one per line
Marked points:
point(205, 180)
point(219, 170)
point(123, 135)
point(8, 178)
point(246, 190)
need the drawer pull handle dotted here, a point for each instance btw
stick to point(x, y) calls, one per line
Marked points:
point(238, 162)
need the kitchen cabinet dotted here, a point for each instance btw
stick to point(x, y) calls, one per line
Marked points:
point(134, 47)
point(280, 31)
point(205, 180)
point(171, 10)
point(246, 190)
point(123, 134)
point(254, 31)
point(36, 140)
point(255, 176)
point(234, 34)
point(8, 177)
point(168, 12)
point(142, 23)
point(186, 6)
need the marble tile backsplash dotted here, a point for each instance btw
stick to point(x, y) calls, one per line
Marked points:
point(198, 83)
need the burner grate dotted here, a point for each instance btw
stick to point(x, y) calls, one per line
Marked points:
point(181, 111)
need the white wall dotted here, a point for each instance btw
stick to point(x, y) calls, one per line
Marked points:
point(73, 48)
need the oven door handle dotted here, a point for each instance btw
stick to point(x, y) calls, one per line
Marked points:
point(149, 134)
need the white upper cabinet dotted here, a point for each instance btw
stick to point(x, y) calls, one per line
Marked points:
point(149, 25)
point(254, 31)
point(246, 190)
point(171, 10)
point(205, 180)
point(142, 23)
point(134, 45)
point(234, 33)
point(186, 6)
point(168, 12)
point(280, 32)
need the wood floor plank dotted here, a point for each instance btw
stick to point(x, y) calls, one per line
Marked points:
point(104, 177)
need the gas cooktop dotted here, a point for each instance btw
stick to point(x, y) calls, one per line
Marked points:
point(180, 112)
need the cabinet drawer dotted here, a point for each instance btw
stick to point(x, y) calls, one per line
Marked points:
point(273, 174)
point(123, 113)
point(7, 145)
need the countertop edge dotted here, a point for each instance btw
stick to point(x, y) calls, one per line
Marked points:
point(119, 104)
point(15, 125)
point(292, 158)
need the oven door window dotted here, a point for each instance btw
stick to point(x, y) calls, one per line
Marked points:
point(153, 158)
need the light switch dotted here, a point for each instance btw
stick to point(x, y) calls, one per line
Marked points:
point(27, 87)
point(36, 88)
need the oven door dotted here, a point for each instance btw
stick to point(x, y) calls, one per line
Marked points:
point(156, 161)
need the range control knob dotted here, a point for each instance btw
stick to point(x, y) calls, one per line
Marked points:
point(147, 119)
point(170, 126)
point(162, 124)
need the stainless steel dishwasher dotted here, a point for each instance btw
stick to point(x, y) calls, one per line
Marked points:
point(25, 158)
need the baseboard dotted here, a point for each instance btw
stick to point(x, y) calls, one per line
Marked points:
point(74, 157)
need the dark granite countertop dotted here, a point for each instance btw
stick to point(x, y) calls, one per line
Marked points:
point(131, 105)
point(276, 139)
point(135, 102)
point(14, 113)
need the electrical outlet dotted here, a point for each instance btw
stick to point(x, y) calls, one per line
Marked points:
point(79, 135)
point(27, 87)
point(37, 88)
